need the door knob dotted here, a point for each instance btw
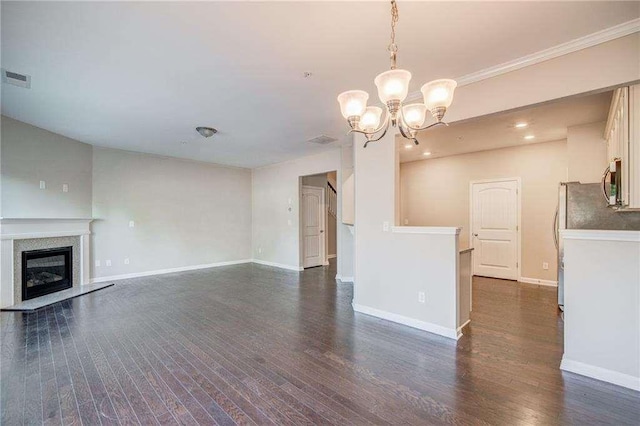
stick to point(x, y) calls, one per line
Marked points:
point(321, 231)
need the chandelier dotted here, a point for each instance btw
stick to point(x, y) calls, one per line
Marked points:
point(393, 88)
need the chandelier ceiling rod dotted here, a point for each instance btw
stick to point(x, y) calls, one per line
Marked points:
point(393, 88)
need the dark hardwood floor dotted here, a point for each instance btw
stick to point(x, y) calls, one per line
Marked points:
point(250, 344)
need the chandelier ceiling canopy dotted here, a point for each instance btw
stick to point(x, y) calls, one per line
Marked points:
point(393, 88)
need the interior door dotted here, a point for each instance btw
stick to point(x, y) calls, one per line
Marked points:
point(494, 229)
point(313, 226)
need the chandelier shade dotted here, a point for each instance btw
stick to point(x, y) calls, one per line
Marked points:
point(414, 114)
point(438, 93)
point(370, 120)
point(393, 89)
point(393, 85)
point(353, 103)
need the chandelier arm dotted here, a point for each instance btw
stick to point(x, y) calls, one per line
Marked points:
point(417, 129)
point(376, 139)
point(384, 125)
point(405, 135)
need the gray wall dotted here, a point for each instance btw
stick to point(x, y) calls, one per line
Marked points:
point(276, 213)
point(185, 213)
point(30, 155)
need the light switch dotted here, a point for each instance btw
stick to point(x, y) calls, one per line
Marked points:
point(43, 184)
point(385, 226)
point(65, 187)
point(126, 261)
point(289, 222)
point(132, 224)
point(97, 263)
point(107, 263)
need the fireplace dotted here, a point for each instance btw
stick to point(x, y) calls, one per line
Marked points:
point(46, 271)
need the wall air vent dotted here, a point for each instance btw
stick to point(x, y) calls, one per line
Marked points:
point(322, 140)
point(15, 79)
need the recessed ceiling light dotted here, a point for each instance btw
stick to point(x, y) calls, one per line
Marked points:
point(521, 125)
point(408, 146)
point(307, 74)
point(529, 137)
point(183, 142)
point(426, 153)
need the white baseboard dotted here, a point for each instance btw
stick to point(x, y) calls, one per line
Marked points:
point(278, 265)
point(344, 279)
point(332, 256)
point(459, 330)
point(538, 281)
point(421, 325)
point(599, 373)
point(167, 271)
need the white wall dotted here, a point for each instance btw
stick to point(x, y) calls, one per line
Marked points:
point(586, 152)
point(186, 213)
point(435, 192)
point(392, 268)
point(29, 155)
point(276, 210)
point(602, 305)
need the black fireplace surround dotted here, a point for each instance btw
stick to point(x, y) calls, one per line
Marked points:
point(46, 271)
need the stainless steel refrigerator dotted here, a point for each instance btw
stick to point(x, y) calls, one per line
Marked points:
point(583, 206)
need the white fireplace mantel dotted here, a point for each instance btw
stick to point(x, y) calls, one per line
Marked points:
point(27, 228)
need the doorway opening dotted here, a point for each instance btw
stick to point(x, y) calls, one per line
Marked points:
point(495, 227)
point(318, 219)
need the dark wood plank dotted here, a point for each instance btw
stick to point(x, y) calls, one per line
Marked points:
point(250, 344)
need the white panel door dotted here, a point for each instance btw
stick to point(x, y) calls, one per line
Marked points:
point(494, 229)
point(313, 226)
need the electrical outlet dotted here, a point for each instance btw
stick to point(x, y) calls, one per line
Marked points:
point(107, 263)
point(385, 226)
point(406, 221)
point(289, 222)
point(259, 250)
point(65, 187)
point(97, 263)
point(43, 184)
point(132, 224)
point(545, 266)
point(126, 261)
point(421, 297)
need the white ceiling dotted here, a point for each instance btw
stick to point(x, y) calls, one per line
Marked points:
point(142, 75)
point(548, 122)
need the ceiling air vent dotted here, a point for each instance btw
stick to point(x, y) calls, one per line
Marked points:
point(13, 78)
point(322, 140)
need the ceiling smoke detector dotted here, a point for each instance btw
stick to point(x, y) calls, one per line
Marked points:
point(207, 132)
point(15, 79)
point(322, 140)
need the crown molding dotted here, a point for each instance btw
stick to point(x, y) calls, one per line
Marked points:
point(590, 40)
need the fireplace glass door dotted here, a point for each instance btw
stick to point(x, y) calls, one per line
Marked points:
point(46, 271)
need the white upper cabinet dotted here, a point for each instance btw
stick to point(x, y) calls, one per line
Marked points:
point(623, 141)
